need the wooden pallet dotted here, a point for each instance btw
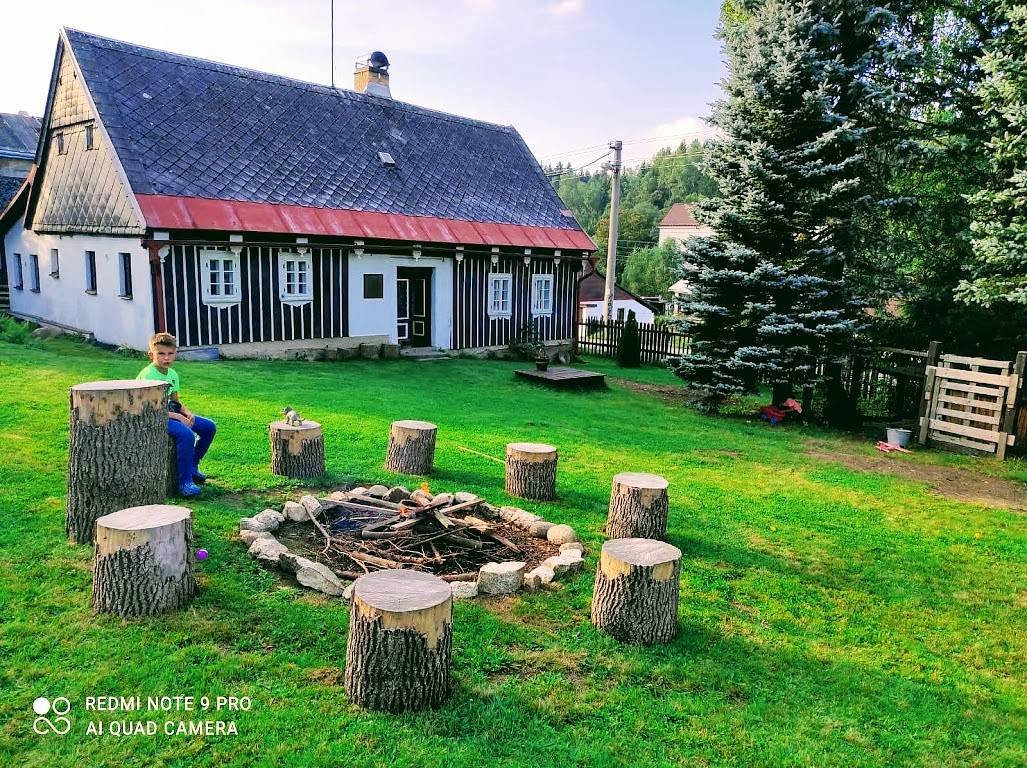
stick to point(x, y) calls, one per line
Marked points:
point(971, 404)
point(565, 377)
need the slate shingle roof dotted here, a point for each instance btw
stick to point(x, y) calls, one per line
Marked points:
point(19, 135)
point(9, 187)
point(189, 127)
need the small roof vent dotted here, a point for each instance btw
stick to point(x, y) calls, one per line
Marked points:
point(387, 159)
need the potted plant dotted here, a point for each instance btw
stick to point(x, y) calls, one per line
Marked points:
point(541, 357)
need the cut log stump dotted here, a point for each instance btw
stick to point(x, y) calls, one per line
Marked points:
point(400, 641)
point(411, 447)
point(531, 471)
point(635, 598)
point(141, 561)
point(297, 451)
point(117, 450)
point(638, 507)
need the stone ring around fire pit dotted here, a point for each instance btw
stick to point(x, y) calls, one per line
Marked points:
point(473, 545)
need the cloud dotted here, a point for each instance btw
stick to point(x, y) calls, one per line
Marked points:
point(668, 134)
point(566, 8)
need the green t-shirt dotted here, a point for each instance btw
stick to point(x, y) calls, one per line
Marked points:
point(151, 372)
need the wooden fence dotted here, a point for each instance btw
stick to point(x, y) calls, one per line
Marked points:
point(892, 378)
point(599, 337)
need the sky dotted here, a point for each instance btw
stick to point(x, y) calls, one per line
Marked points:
point(570, 75)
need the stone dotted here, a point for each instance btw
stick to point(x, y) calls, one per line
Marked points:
point(378, 491)
point(268, 550)
point(268, 520)
point(543, 573)
point(398, 493)
point(251, 536)
point(509, 514)
point(47, 332)
point(561, 534)
point(532, 582)
point(463, 497)
point(316, 576)
point(347, 593)
point(390, 351)
point(421, 496)
point(540, 528)
point(347, 353)
point(338, 496)
point(295, 511)
point(370, 351)
point(501, 578)
point(525, 520)
point(463, 590)
point(556, 564)
point(359, 489)
point(488, 510)
point(312, 505)
point(573, 546)
point(565, 562)
point(443, 499)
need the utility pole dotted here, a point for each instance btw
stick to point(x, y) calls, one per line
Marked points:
point(611, 246)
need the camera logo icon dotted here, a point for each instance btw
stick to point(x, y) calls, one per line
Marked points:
point(58, 708)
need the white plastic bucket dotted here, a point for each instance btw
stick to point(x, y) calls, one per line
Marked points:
point(899, 437)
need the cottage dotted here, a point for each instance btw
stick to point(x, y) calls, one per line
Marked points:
point(19, 135)
point(680, 224)
point(259, 214)
point(592, 290)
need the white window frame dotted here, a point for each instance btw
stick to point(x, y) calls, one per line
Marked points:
point(211, 260)
point(541, 303)
point(496, 305)
point(294, 269)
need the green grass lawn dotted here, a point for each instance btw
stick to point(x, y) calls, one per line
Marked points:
point(827, 617)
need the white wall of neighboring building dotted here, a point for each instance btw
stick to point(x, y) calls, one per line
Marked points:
point(594, 310)
point(683, 233)
point(63, 300)
point(377, 317)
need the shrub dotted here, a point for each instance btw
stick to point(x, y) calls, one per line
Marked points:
point(629, 350)
point(14, 331)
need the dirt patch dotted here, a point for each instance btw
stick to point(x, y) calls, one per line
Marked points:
point(950, 482)
point(669, 392)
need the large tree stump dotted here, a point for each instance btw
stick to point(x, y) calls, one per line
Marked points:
point(117, 451)
point(531, 471)
point(411, 447)
point(400, 641)
point(638, 507)
point(635, 598)
point(297, 451)
point(141, 562)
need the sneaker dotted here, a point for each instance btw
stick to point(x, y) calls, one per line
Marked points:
point(189, 489)
point(198, 477)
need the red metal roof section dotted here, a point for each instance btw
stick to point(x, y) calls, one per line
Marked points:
point(679, 215)
point(171, 212)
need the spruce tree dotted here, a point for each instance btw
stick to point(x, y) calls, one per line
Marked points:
point(1000, 211)
point(771, 296)
point(629, 350)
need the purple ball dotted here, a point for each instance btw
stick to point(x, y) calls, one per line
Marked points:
point(201, 554)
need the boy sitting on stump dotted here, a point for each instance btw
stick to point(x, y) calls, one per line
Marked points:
point(184, 426)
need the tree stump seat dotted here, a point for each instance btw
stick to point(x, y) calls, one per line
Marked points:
point(297, 450)
point(638, 507)
point(531, 471)
point(117, 452)
point(400, 645)
point(411, 447)
point(141, 561)
point(635, 598)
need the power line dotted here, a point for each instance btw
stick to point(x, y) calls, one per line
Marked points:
point(636, 140)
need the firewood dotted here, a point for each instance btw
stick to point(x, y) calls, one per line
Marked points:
point(464, 541)
point(381, 562)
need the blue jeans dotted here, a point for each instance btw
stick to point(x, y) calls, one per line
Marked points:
point(190, 450)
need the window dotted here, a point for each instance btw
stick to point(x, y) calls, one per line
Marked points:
point(55, 263)
point(90, 143)
point(620, 314)
point(125, 273)
point(295, 278)
point(59, 141)
point(19, 283)
point(374, 286)
point(541, 294)
point(219, 274)
point(499, 294)
point(91, 272)
point(34, 273)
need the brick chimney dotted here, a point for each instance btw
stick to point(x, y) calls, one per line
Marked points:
point(371, 75)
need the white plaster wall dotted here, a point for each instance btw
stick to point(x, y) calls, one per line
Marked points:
point(377, 317)
point(681, 234)
point(63, 300)
point(595, 310)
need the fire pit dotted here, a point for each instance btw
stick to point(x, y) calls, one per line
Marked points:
point(460, 538)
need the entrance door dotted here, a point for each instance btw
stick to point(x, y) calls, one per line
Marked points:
point(413, 306)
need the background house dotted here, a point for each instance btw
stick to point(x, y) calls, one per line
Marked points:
point(680, 224)
point(260, 214)
point(592, 289)
point(19, 135)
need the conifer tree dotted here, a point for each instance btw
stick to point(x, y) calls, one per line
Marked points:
point(1000, 217)
point(771, 295)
